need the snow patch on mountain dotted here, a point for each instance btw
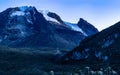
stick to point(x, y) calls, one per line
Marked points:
point(24, 11)
point(45, 12)
point(28, 17)
point(22, 29)
point(17, 13)
point(75, 28)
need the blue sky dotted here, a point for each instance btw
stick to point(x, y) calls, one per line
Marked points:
point(100, 13)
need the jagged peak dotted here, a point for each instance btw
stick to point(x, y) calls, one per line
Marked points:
point(25, 8)
point(87, 27)
point(81, 20)
point(83, 23)
point(22, 11)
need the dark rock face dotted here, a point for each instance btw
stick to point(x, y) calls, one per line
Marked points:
point(87, 27)
point(103, 46)
point(26, 27)
point(55, 16)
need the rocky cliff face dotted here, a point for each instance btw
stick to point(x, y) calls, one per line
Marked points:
point(88, 28)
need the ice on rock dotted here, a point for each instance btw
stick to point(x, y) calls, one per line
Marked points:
point(28, 17)
point(17, 13)
point(75, 28)
point(23, 12)
point(23, 33)
point(22, 30)
point(45, 12)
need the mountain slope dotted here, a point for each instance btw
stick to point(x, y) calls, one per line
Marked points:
point(26, 27)
point(103, 46)
point(87, 27)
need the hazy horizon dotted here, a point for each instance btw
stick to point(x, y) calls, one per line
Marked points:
point(100, 13)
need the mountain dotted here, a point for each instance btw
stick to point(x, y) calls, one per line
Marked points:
point(27, 27)
point(87, 27)
point(101, 47)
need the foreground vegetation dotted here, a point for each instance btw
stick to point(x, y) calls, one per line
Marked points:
point(27, 61)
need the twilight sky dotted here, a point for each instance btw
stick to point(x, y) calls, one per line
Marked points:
point(100, 13)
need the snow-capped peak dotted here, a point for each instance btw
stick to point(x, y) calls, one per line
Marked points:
point(45, 14)
point(24, 11)
point(25, 8)
point(21, 11)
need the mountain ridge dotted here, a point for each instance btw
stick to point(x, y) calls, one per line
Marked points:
point(26, 27)
point(103, 47)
